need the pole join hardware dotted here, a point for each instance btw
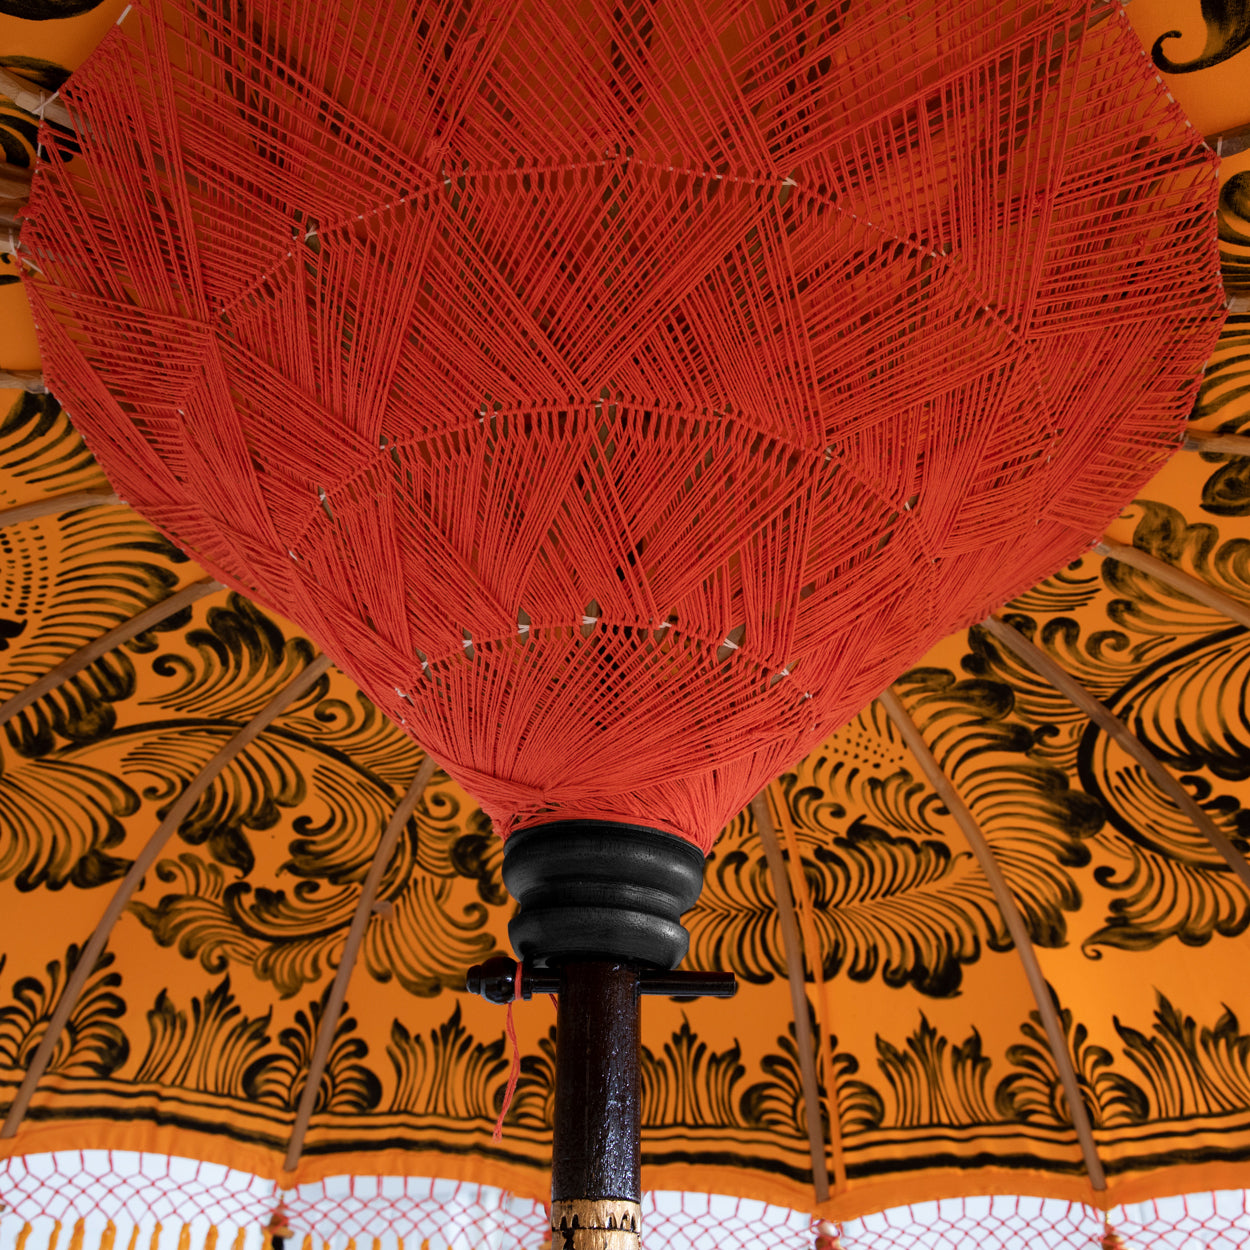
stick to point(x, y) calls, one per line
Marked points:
point(495, 981)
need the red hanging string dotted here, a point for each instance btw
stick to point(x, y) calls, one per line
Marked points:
point(510, 1029)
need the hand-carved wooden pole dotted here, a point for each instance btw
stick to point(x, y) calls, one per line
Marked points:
point(596, 1150)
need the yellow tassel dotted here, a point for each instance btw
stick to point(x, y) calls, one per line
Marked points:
point(134, 1238)
point(184, 1238)
point(155, 1243)
point(21, 1237)
point(239, 1238)
point(210, 1242)
point(56, 1235)
point(75, 1241)
point(108, 1236)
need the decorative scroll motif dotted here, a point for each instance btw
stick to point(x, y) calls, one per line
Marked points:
point(1234, 229)
point(906, 906)
point(1228, 32)
point(42, 453)
point(1225, 394)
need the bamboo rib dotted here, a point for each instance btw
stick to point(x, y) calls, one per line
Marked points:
point(1188, 585)
point(55, 505)
point(796, 972)
point(1111, 724)
point(1210, 440)
point(1230, 142)
point(35, 100)
point(105, 643)
point(143, 862)
point(351, 948)
point(14, 185)
point(23, 380)
point(1015, 926)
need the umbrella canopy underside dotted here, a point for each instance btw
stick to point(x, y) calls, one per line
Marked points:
point(933, 1071)
point(194, 1033)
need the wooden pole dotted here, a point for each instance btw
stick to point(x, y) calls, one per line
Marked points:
point(596, 1168)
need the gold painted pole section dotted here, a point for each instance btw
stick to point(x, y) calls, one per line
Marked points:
point(1112, 725)
point(1188, 585)
point(105, 643)
point(177, 813)
point(796, 971)
point(1010, 911)
point(351, 948)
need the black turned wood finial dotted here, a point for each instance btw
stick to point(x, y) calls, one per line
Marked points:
point(595, 889)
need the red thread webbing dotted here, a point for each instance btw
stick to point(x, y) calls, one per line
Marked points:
point(624, 394)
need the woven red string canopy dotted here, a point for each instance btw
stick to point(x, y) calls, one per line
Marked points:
point(623, 392)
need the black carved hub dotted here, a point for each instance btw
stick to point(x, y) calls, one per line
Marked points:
point(598, 922)
point(595, 889)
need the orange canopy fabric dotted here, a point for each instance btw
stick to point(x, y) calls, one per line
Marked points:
point(934, 1073)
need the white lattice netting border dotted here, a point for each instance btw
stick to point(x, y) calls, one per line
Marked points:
point(117, 1200)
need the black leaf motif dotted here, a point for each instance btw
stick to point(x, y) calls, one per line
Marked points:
point(533, 1104)
point(211, 1047)
point(1034, 1093)
point(1190, 1070)
point(90, 1044)
point(448, 1072)
point(934, 1082)
point(348, 1086)
point(689, 1084)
